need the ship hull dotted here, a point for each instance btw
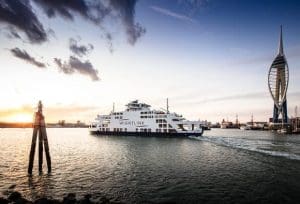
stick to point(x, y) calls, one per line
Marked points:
point(145, 134)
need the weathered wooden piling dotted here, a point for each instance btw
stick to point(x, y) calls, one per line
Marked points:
point(39, 127)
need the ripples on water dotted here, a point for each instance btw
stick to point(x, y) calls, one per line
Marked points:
point(221, 166)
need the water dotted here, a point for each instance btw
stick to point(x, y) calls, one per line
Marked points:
point(222, 166)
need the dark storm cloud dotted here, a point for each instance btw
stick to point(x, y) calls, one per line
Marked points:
point(126, 11)
point(20, 15)
point(74, 65)
point(79, 50)
point(96, 12)
point(22, 54)
point(65, 8)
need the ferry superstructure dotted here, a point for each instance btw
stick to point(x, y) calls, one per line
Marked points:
point(139, 120)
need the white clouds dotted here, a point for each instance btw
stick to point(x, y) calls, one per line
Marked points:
point(172, 14)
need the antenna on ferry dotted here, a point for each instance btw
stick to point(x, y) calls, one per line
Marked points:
point(113, 110)
point(167, 105)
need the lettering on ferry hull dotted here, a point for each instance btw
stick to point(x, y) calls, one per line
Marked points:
point(133, 123)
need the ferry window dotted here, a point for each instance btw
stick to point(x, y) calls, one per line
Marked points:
point(149, 130)
point(165, 130)
point(114, 129)
point(136, 129)
point(121, 129)
point(125, 129)
point(164, 125)
point(160, 125)
point(145, 130)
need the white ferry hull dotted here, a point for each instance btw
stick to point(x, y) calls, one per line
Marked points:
point(147, 134)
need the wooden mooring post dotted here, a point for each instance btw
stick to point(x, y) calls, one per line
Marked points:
point(39, 128)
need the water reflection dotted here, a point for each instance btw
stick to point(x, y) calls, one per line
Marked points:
point(40, 186)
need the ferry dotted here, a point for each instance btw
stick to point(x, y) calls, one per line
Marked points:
point(139, 119)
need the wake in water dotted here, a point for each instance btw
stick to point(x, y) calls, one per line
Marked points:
point(267, 147)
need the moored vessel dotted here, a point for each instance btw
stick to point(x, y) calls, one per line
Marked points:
point(139, 120)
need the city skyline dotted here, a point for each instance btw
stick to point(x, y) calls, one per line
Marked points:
point(210, 58)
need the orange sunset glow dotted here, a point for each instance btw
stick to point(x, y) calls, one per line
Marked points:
point(19, 117)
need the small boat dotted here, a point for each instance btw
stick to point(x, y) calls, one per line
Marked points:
point(245, 127)
point(282, 131)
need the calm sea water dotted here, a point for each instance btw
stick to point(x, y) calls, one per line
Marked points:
point(228, 166)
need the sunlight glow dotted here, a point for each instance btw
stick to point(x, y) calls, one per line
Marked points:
point(21, 117)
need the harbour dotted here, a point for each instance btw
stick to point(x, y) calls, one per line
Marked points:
point(221, 166)
point(134, 101)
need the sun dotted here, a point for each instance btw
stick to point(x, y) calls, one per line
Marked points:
point(21, 118)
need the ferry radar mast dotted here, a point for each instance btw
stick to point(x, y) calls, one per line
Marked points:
point(167, 105)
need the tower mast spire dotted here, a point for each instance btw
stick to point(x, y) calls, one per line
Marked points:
point(280, 49)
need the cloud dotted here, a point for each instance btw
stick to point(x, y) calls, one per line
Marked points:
point(67, 9)
point(71, 112)
point(257, 95)
point(22, 54)
point(126, 11)
point(19, 14)
point(13, 34)
point(23, 109)
point(97, 12)
point(109, 40)
point(172, 14)
point(53, 113)
point(191, 99)
point(74, 65)
point(79, 50)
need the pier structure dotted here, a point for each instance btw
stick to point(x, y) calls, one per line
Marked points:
point(278, 80)
point(39, 129)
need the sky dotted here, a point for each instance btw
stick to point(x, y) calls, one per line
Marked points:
point(209, 57)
